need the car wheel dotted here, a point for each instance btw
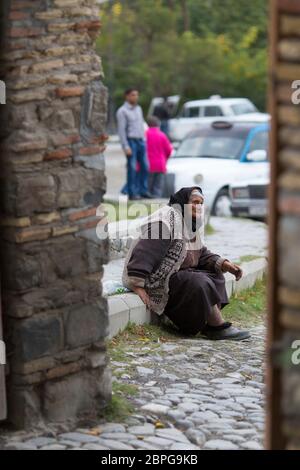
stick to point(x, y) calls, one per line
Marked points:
point(222, 204)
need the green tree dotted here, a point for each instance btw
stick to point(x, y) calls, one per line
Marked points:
point(194, 48)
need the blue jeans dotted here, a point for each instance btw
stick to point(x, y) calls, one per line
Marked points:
point(137, 182)
point(164, 126)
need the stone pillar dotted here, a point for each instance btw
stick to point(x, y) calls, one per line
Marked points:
point(52, 181)
point(284, 325)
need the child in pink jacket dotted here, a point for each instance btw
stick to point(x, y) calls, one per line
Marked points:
point(159, 150)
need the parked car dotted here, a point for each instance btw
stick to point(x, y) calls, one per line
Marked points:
point(173, 104)
point(196, 113)
point(217, 156)
point(250, 198)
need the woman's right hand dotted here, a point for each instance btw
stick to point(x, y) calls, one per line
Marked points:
point(232, 268)
point(140, 291)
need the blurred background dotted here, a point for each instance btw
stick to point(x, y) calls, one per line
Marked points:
point(189, 48)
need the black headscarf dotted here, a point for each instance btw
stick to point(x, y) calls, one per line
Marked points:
point(181, 198)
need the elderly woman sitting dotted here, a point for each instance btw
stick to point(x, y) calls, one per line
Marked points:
point(172, 271)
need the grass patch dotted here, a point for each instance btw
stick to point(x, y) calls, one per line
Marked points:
point(209, 230)
point(120, 407)
point(146, 337)
point(124, 389)
point(117, 410)
point(150, 335)
point(248, 307)
point(116, 352)
point(247, 258)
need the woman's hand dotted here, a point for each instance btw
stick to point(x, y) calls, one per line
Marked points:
point(232, 268)
point(140, 291)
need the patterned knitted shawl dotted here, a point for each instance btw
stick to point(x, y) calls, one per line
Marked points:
point(157, 283)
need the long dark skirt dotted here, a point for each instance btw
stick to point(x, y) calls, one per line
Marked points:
point(192, 294)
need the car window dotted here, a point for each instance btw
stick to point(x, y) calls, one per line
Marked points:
point(243, 108)
point(213, 111)
point(260, 141)
point(191, 111)
point(210, 147)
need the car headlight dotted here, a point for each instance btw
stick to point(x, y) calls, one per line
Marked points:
point(240, 193)
point(198, 179)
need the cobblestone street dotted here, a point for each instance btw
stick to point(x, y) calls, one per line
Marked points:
point(191, 393)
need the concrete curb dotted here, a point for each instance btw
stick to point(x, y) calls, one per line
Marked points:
point(126, 308)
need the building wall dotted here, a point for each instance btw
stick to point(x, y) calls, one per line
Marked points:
point(52, 181)
point(284, 291)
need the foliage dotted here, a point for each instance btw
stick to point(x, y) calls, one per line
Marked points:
point(119, 408)
point(194, 48)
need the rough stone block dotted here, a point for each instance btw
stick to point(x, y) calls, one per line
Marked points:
point(61, 154)
point(30, 234)
point(79, 395)
point(65, 92)
point(19, 271)
point(85, 324)
point(80, 187)
point(29, 194)
point(38, 336)
point(24, 405)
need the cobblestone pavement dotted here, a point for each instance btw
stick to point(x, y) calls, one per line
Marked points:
point(191, 394)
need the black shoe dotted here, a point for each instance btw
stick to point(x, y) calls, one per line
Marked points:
point(147, 196)
point(225, 331)
point(134, 198)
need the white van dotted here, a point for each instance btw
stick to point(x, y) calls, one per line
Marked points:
point(195, 113)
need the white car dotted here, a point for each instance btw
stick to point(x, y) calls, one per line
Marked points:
point(196, 113)
point(217, 156)
point(250, 198)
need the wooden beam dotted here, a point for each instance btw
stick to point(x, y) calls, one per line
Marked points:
point(274, 434)
point(3, 407)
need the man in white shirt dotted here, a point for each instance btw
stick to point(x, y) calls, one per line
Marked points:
point(131, 132)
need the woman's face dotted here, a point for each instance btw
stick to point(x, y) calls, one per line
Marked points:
point(195, 206)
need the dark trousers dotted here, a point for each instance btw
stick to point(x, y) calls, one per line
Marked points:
point(137, 182)
point(192, 294)
point(164, 127)
point(156, 184)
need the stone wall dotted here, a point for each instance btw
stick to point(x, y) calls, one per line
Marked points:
point(285, 393)
point(52, 181)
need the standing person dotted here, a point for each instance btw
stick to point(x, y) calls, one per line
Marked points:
point(159, 150)
point(162, 112)
point(131, 132)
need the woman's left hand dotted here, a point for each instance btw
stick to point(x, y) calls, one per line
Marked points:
point(233, 269)
point(140, 291)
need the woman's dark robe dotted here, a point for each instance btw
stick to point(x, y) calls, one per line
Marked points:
point(193, 291)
